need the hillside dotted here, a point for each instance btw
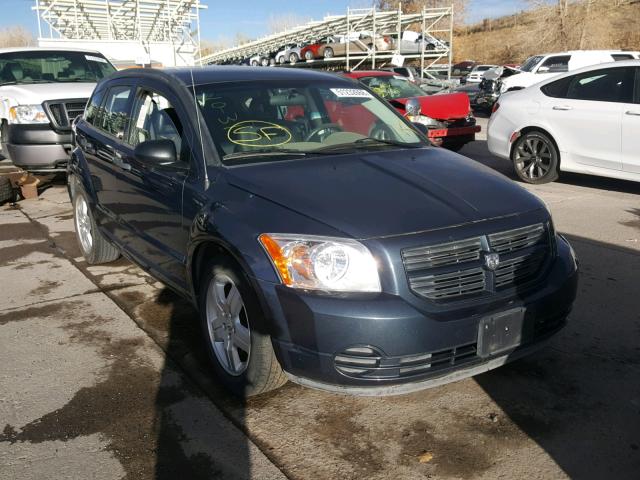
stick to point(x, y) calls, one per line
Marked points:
point(582, 24)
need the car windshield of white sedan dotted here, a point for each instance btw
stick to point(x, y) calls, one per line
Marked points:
point(390, 88)
point(257, 122)
point(51, 66)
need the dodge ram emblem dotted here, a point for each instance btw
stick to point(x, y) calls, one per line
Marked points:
point(491, 261)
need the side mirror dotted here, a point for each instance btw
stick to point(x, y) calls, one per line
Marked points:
point(156, 152)
point(413, 107)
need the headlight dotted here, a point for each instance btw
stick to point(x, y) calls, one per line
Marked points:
point(428, 121)
point(322, 263)
point(27, 114)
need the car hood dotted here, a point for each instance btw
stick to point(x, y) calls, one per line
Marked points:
point(389, 193)
point(447, 106)
point(40, 92)
point(522, 79)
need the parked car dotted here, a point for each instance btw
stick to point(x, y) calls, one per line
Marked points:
point(260, 59)
point(430, 84)
point(462, 69)
point(413, 42)
point(585, 121)
point(542, 67)
point(313, 251)
point(41, 92)
point(490, 87)
point(448, 117)
point(335, 46)
point(290, 53)
point(477, 72)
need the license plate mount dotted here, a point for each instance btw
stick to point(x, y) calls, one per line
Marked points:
point(501, 332)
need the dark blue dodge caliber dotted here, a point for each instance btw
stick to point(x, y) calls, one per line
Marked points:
point(321, 238)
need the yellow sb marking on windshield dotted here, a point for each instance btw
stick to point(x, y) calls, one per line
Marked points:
point(256, 133)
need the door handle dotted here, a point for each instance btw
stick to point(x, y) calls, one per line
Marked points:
point(631, 112)
point(562, 107)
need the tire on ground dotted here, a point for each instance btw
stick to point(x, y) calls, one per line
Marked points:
point(263, 372)
point(6, 190)
point(101, 251)
point(522, 167)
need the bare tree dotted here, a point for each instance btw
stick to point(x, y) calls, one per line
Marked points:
point(415, 6)
point(285, 21)
point(16, 37)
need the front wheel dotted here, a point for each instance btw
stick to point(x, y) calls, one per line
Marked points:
point(293, 58)
point(95, 248)
point(308, 55)
point(535, 158)
point(233, 325)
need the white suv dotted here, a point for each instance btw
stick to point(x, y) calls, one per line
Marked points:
point(41, 93)
point(541, 67)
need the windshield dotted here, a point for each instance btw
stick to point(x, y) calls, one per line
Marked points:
point(252, 121)
point(48, 66)
point(530, 63)
point(394, 87)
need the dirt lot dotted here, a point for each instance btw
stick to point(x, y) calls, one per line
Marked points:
point(103, 375)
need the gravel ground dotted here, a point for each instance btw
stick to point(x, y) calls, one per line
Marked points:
point(95, 361)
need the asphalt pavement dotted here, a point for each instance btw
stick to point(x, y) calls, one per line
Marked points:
point(103, 374)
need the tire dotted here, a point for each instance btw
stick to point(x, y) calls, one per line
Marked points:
point(308, 55)
point(281, 60)
point(254, 63)
point(272, 62)
point(3, 140)
point(328, 52)
point(6, 190)
point(535, 158)
point(293, 58)
point(251, 372)
point(97, 249)
point(265, 62)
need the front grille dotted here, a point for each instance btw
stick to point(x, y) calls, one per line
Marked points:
point(445, 285)
point(516, 239)
point(63, 112)
point(370, 363)
point(455, 270)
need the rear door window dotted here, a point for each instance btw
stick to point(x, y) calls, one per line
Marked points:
point(115, 116)
point(618, 57)
point(609, 85)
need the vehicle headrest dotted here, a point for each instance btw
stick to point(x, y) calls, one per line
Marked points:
point(15, 70)
point(285, 100)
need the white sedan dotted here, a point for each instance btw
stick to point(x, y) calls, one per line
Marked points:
point(585, 121)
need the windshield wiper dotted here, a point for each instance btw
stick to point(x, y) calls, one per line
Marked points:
point(264, 153)
point(366, 142)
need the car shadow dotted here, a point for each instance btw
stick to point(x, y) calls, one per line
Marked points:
point(579, 398)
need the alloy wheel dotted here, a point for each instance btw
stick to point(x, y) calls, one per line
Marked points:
point(228, 325)
point(83, 224)
point(533, 157)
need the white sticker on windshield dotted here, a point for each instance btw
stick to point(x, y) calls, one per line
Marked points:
point(351, 93)
point(91, 58)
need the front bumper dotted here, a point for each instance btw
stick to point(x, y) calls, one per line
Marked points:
point(38, 148)
point(314, 333)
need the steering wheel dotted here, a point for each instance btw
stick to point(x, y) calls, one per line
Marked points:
point(323, 131)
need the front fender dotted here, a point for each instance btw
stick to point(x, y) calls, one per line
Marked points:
point(79, 169)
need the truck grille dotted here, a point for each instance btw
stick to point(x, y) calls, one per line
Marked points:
point(453, 270)
point(62, 112)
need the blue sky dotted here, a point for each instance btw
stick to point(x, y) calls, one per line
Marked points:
point(224, 18)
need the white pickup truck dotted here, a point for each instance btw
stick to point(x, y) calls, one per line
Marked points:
point(537, 68)
point(41, 92)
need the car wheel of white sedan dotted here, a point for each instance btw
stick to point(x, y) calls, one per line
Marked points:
point(535, 158)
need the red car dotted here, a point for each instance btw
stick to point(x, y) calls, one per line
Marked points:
point(448, 117)
point(314, 50)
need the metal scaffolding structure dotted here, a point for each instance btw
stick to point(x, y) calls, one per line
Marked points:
point(169, 21)
point(435, 24)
